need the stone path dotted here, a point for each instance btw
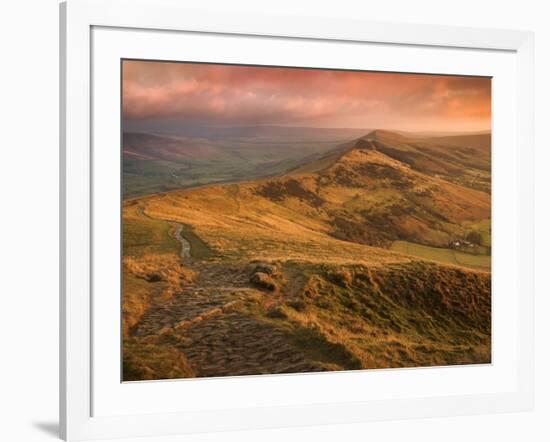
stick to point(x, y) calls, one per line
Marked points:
point(207, 323)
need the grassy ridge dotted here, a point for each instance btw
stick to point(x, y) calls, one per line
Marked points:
point(400, 315)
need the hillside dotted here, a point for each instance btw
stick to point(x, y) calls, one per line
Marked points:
point(463, 159)
point(374, 254)
point(190, 157)
point(360, 195)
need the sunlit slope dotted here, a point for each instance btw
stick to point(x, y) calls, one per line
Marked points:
point(330, 210)
point(238, 223)
point(463, 159)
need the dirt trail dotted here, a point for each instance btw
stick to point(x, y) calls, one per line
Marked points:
point(185, 252)
point(209, 323)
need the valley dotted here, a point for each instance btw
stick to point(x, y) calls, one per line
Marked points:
point(193, 157)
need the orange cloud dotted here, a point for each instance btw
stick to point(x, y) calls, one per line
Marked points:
point(244, 95)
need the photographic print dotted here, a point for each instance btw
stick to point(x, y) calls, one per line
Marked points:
point(296, 220)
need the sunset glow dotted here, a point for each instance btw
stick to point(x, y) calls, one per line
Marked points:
point(222, 95)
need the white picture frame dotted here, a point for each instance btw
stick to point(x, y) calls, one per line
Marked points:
point(79, 379)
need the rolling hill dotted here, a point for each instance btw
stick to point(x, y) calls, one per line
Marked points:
point(373, 254)
point(359, 194)
point(156, 162)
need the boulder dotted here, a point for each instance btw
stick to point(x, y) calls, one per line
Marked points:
point(264, 281)
point(268, 269)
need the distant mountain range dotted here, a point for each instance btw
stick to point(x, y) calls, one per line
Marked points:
point(263, 132)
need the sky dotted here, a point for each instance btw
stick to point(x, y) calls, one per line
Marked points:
point(235, 95)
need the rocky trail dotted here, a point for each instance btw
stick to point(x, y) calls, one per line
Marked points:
point(212, 324)
point(185, 252)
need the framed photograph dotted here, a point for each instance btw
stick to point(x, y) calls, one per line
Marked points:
point(283, 221)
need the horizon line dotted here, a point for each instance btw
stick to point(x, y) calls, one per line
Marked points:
point(366, 129)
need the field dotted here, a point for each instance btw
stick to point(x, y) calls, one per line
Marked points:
point(443, 255)
point(368, 253)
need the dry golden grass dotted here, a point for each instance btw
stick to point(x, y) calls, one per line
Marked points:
point(159, 268)
point(456, 202)
point(403, 315)
point(147, 280)
point(253, 227)
point(147, 361)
